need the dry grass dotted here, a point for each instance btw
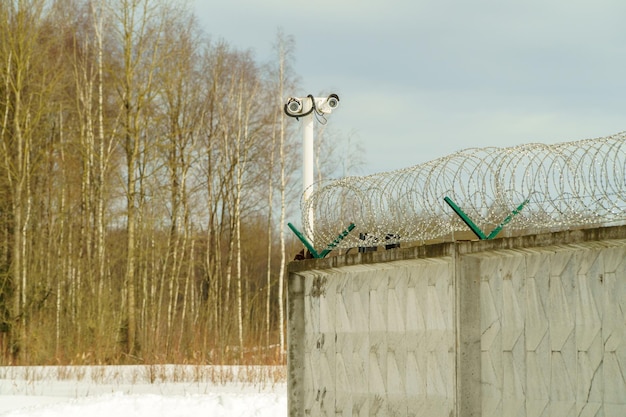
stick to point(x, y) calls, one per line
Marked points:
point(261, 376)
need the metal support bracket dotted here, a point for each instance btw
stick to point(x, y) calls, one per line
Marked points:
point(332, 245)
point(481, 235)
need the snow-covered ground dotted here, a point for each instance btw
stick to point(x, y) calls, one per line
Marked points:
point(142, 391)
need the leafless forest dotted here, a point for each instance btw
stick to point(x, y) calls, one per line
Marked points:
point(146, 171)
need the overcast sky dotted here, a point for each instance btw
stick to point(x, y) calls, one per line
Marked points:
point(420, 79)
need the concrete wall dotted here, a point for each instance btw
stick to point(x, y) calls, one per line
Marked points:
point(515, 327)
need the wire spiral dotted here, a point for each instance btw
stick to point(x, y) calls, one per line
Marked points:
point(572, 184)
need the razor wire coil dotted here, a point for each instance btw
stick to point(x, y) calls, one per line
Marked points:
point(572, 184)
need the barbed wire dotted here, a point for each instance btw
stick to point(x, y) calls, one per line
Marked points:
point(565, 185)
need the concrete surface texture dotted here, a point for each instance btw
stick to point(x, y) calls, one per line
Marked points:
point(552, 326)
point(526, 327)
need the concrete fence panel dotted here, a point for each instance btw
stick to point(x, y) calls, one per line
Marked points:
point(523, 327)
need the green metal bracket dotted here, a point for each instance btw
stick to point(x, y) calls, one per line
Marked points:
point(304, 240)
point(465, 219)
point(473, 225)
point(332, 245)
point(507, 220)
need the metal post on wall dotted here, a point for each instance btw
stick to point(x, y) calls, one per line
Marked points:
point(306, 108)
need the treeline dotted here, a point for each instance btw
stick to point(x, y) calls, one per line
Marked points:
point(145, 173)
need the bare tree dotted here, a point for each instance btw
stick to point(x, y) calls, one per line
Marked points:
point(29, 76)
point(242, 122)
point(139, 28)
point(285, 48)
point(181, 115)
point(152, 172)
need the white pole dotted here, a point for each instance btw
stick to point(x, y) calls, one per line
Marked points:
point(308, 164)
point(304, 108)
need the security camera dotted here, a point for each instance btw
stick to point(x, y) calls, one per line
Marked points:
point(333, 101)
point(325, 105)
point(294, 105)
point(297, 107)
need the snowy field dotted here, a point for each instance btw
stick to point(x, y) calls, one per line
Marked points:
point(142, 391)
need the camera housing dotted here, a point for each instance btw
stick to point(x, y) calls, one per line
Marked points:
point(297, 107)
point(333, 101)
point(294, 105)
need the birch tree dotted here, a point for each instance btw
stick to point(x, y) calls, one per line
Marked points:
point(141, 170)
point(284, 47)
point(139, 27)
point(28, 78)
point(180, 116)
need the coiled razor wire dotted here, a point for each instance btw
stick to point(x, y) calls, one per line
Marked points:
point(572, 184)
